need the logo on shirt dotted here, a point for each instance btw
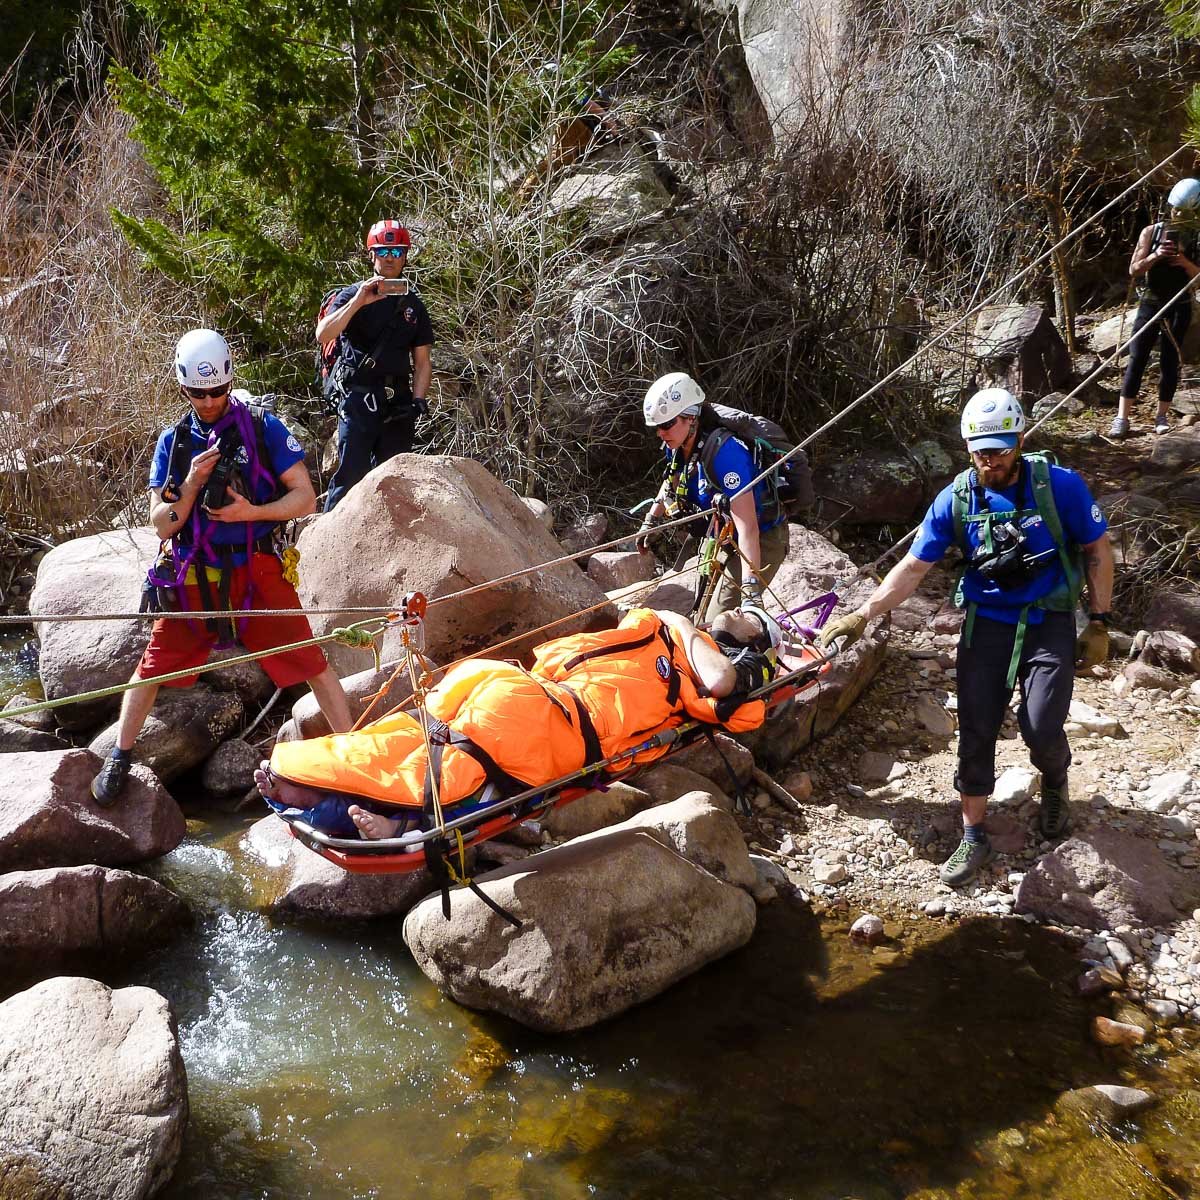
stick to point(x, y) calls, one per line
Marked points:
point(663, 666)
point(732, 480)
point(292, 444)
point(410, 314)
point(1096, 513)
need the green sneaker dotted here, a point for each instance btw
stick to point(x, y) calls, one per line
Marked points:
point(963, 865)
point(1054, 814)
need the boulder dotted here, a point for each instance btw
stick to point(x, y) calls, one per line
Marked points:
point(248, 680)
point(229, 770)
point(872, 487)
point(595, 810)
point(16, 738)
point(1140, 674)
point(308, 721)
point(101, 573)
point(439, 525)
point(1104, 1102)
point(1019, 348)
point(93, 1095)
point(1060, 404)
point(613, 199)
point(665, 782)
point(704, 833)
point(1108, 335)
point(1179, 611)
point(1174, 452)
point(1171, 651)
point(541, 510)
point(715, 758)
point(607, 922)
point(49, 914)
point(615, 569)
point(185, 726)
point(48, 817)
point(303, 885)
point(1104, 879)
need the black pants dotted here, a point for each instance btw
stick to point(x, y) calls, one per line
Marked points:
point(371, 429)
point(1046, 677)
point(1169, 329)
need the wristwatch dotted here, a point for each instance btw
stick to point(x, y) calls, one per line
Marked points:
point(1105, 618)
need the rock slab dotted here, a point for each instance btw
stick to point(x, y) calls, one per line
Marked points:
point(93, 1096)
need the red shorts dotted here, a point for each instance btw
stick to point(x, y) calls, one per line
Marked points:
point(176, 644)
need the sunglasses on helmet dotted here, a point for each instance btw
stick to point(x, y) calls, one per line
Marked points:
point(209, 393)
point(389, 251)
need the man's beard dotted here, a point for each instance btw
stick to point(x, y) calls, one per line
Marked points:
point(991, 477)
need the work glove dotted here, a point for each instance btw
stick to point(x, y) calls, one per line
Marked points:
point(642, 541)
point(421, 405)
point(849, 627)
point(1091, 647)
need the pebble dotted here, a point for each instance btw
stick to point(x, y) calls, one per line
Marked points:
point(828, 873)
point(1116, 1033)
point(868, 928)
point(1164, 1012)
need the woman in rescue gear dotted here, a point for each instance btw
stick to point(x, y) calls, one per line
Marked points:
point(696, 478)
point(1030, 535)
point(587, 697)
point(222, 481)
point(1165, 260)
point(381, 379)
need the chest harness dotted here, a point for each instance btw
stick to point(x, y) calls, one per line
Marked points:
point(1001, 555)
point(240, 428)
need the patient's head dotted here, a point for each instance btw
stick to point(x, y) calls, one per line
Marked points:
point(748, 637)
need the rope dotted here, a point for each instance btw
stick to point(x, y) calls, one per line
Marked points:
point(873, 567)
point(350, 636)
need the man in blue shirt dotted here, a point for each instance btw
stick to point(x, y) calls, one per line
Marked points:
point(674, 407)
point(221, 481)
point(1023, 526)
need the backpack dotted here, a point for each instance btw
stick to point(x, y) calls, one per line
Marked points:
point(791, 485)
point(328, 353)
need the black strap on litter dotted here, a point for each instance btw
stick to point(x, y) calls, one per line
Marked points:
point(592, 752)
point(498, 909)
point(741, 800)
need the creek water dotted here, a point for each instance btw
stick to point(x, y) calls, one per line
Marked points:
point(322, 1064)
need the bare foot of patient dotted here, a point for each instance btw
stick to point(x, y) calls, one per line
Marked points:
point(372, 825)
point(294, 794)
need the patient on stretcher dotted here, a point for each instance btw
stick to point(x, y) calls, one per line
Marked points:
point(498, 729)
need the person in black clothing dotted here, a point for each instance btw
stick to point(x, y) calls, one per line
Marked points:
point(383, 379)
point(1166, 260)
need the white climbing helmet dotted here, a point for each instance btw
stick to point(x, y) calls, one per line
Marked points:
point(671, 395)
point(202, 359)
point(771, 627)
point(992, 420)
point(1185, 194)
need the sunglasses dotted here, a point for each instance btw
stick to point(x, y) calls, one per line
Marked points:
point(988, 455)
point(389, 251)
point(211, 393)
point(666, 425)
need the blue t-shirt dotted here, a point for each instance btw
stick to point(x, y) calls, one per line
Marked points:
point(733, 467)
point(284, 451)
point(1082, 523)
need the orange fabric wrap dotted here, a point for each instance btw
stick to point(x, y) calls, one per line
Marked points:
point(525, 721)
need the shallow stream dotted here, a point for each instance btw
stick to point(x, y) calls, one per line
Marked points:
point(322, 1064)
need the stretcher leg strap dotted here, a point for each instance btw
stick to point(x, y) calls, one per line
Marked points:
point(741, 801)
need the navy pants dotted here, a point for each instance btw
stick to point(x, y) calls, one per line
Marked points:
point(1169, 330)
point(1046, 678)
point(371, 429)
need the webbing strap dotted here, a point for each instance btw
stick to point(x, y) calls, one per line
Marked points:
point(591, 739)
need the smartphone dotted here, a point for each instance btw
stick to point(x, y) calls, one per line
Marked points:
point(394, 287)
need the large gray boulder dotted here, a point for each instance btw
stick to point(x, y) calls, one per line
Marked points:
point(185, 726)
point(439, 525)
point(93, 1095)
point(608, 921)
point(48, 915)
point(595, 810)
point(873, 486)
point(97, 574)
point(1020, 349)
point(300, 884)
point(49, 819)
point(1175, 610)
point(1176, 451)
point(1105, 878)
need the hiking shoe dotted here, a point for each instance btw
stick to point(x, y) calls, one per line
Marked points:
point(1054, 814)
point(963, 865)
point(1120, 427)
point(1162, 425)
point(110, 782)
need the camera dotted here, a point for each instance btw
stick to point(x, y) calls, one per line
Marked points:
point(215, 489)
point(1007, 566)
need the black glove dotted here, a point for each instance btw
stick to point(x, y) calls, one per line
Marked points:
point(421, 405)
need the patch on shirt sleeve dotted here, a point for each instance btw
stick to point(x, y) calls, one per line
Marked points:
point(732, 480)
point(293, 445)
point(1096, 514)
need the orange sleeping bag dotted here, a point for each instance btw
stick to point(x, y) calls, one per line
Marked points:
point(589, 696)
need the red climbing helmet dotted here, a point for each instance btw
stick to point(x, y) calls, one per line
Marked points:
point(388, 233)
